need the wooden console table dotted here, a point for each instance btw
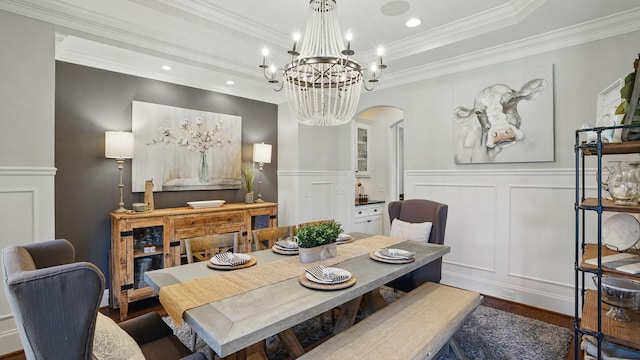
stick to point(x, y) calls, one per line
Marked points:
point(153, 240)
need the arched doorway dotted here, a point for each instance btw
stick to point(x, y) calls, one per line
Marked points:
point(386, 175)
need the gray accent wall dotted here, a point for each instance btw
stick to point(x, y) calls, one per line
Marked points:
point(89, 102)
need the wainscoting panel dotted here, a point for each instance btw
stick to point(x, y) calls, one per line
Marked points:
point(315, 195)
point(27, 212)
point(541, 227)
point(321, 200)
point(467, 248)
point(511, 232)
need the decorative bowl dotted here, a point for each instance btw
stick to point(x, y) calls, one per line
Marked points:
point(139, 207)
point(620, 294)
point(205, 204)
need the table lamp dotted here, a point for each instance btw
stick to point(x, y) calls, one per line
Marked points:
point(261, 155)
point(119, 145)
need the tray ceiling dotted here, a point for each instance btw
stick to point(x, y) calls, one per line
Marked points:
point(207, 42)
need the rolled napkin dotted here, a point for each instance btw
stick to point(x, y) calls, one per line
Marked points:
point(229, 258)
point(344, 237)
point(328, 275)
point(287, 244)
point(397, 254)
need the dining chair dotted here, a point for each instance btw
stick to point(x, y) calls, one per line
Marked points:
point(55, 302)
point(202, 248)
point(421, 211)
point(262, 239)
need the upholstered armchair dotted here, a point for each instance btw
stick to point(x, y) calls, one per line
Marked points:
point(420, 211)
point(55, 303)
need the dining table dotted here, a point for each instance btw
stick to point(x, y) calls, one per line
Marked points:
point(233, 310)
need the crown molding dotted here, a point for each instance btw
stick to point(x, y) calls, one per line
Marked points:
point(477, 24)
point(609, 26)
point(217, 16)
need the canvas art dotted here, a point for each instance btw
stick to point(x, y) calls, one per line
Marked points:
point(184, 149)
point(507, 118)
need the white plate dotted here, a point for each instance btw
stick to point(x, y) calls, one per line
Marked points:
point(205, 204)
point(401, 254)
point(332, 270)
point(620, 232)
point(238, 255)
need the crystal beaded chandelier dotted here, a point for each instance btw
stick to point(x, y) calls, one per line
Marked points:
point(322, 83)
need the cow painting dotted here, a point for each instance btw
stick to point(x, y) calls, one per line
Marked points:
point(493, 123)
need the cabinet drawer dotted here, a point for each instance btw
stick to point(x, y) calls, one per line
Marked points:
point(375, 210)
point(204, 220)
point(361, 212)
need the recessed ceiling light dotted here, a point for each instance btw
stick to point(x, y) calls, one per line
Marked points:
point(413, 22)
point(166, 67)
point(230, 82)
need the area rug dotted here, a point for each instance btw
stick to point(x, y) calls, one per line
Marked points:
point(488, 334)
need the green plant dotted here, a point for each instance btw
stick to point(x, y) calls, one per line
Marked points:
point(248, 176)
point(318, 234)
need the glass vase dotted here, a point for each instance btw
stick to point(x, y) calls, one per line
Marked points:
point(203, 168)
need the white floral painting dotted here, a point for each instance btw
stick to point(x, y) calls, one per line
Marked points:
point(183, 149)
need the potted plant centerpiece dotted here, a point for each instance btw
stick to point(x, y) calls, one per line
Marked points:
point(248, 176)
point(318, 241)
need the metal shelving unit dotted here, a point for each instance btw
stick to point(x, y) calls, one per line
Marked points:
point(593, 322)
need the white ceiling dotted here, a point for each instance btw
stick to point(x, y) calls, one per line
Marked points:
point(208, 42)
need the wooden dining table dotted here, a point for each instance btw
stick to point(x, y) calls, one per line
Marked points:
point(232, 324)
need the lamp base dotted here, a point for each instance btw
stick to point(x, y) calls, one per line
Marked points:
point(120, 210)
point(259, 200)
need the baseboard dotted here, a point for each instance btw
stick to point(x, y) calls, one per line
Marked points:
point(518, 294)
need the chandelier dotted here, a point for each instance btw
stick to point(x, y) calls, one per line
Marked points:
point(322, 83)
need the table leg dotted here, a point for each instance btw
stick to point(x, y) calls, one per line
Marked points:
point(256, 351)
point(291, 343)
point(372, 302)
point(347, 317)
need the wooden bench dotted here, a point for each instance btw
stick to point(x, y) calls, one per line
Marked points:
point(417, 326)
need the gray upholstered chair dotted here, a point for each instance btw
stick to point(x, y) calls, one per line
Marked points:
point(418, 211)
point(55, 303)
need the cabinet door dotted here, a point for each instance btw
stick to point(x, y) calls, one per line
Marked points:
point(362, 150)
point(360, 225)
point(373, 225)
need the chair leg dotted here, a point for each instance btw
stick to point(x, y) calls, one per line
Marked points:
point(194, 338)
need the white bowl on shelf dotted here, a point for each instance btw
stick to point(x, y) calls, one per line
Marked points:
point(205, 204)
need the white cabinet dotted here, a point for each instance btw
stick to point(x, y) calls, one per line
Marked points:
point(362, 150)
point(368, 219)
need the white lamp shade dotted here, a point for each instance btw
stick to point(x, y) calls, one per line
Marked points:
point(118, 145)
point(262, 153)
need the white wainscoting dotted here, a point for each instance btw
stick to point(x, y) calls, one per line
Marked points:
point(315, 195)
point(27, 215)
point(511, 232)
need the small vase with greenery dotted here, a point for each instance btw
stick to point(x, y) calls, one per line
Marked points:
point(318, 241)
point(318, 234)
point(248, 176)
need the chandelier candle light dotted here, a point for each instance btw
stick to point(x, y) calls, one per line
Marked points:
point(322, 83)
point(119, 145)
point(261, 155)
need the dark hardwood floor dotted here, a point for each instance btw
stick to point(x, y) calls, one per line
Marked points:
point(144, 306)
